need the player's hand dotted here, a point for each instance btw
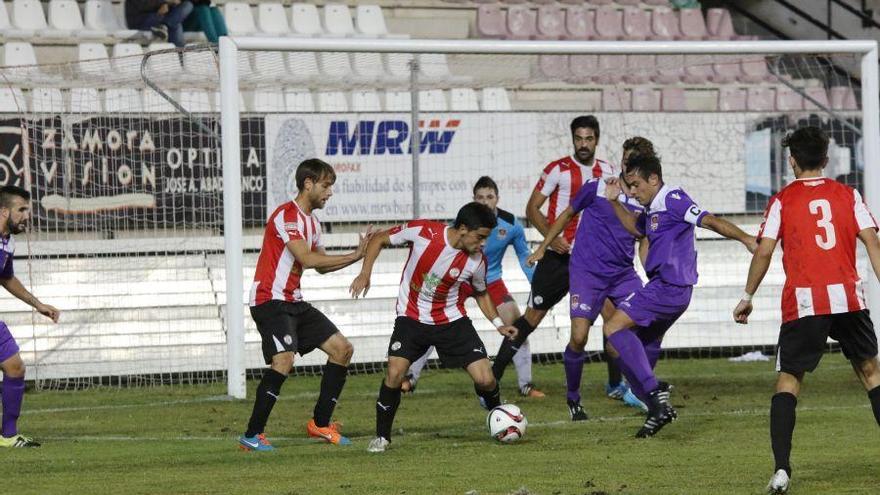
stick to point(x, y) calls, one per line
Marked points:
point(560, 245)
point(363, 240)
point(742, 312)
point(49, 311)
point(360, 286)
point(536, 256)
point(613, 189)
point(508, 331)
point(752, 244)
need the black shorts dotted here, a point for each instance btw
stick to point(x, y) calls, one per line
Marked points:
point(457, 343)
point(550, 281)
point(802, 341)
point(291, 327)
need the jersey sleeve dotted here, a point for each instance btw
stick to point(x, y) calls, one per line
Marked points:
point(770, 227)
point(319, 235)
point(549, 180)
point(478, 278)
point(680, 205)
point(7, 272)
point(407, 232)
point(522, 250)
point(863, 216)
point(287, 227)
point(587, 194)
point(642, 222)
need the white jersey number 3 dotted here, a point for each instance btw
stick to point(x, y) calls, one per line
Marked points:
point(823, 208)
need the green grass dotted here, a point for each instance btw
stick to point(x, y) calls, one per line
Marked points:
point(183, 440)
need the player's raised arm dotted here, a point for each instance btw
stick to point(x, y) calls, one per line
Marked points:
point(361, 284)
point(551, 234)
point(613, 191)
point(728, 230)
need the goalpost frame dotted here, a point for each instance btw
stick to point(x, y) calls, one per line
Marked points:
point(229, 101)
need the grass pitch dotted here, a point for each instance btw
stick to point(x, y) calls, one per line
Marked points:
point(182, 440)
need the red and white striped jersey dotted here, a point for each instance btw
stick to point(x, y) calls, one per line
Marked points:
point(561, 181)
point(278, 273)
point(434, 272)
point(817, 220)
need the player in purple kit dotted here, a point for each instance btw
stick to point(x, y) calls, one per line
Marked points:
point(636, 328)
point(600, 268)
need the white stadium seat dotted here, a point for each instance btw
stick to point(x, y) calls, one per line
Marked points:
point(268, 101)
point(495, 99)
point(12, 100)
point(101, 16)
point(398, 101)
point(365, 101)
point(337, 20)
point(95, 58)
point(47, 100)
point(463, 99)
point(85, 100)
point(332, 101)
point(272, 19)
point(196, 101)
point(298, 100)
point(239, 19)
point(8, 31)
point(304, 20)
point(433, 100)
point(123, 100)
point(155, 103)
point(64, 16)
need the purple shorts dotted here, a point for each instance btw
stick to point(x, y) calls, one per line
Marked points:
point(8, 347)
point(588, 292)
point(657, 305)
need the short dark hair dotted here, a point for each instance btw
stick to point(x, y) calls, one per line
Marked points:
point(645, 165)
point(313, 169)
point(639, 146)
point(8, 192)
point(808, 146)
point(475, 216)
point(588, 121)
point(484, 182)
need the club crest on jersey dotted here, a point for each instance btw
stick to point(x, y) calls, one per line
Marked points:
point(288, 339)
point(455, 272)
point(655, 222)
point(429, 283)
point(502, 233)
point(574, 301)
point(395, 345)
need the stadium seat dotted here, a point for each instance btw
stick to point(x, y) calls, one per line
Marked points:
point(463, 100)
point(100, 16)
point(164, 62)
point(554, 66)
point(697, 69)
point(304, 20)
point(365, 101)
point(583, 68)
point(731, 99)
point(600, 2)
point(21, 54)
point(123, 100)
point(843, 98)
point(551, 23)
point(337, 20)
point(494, 99)
point(28, 15)
point(645, 99)
point(819, 94)
point(303, 66)
point(122, 58)
point(64, 16)
point(433, 67)
point(155, 103)
point(332, 101)
point(85, 100)
point(670, 69)
point(719, 24)
point(521, 22)
point(658, 3)
point(491, 22)
point(627, 2)
point(298, 100)
point(12, 100)
point(201, 64)
point(370, 21)
point(243, 105)
point(266, 100)
point(692, 25)
point(753, 69)
point(239, 19)
point(609, 23)
point(195, 101)
point(8, 31)
point(433, 100)
point(368, 67)
point(672, 99)
point(98, 61)
point(272, 19)
point(611, 69)
point(47, 100)
point(664, 25)
point(335, 65)
point(616, 100)
point(727, 69)
point(580, 23)
point(639, 68)
point(270, 66)
point(760, 99)
point(398, 101)
point(788, 99)
point(636, 24)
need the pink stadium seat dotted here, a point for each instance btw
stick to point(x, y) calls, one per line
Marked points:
point(491, 22)
point(719, 24)
point(788, 99)
point(672, 100)
point(600, 2)
point(754, 69)
point(554, 66)
point(551, 23)
point(727, 69)
point(645, 99)
point(760, 99)
point(692, 24)
point(580, 23)
point(670, 69)
point(628, 2)
point(697, 69)
point(639, 68)
point(611, 69)
point(819, 94)
point(658, 3)
point(521, 22)
point(609, 23)
point(843, 98)
point(583, 67)
point(731, 99)
point(636, 23)
point(616, 100)
point(664, 24)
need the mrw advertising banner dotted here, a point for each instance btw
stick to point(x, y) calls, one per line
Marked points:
point(372, 156)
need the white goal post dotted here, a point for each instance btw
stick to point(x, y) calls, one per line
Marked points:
point(230, 113)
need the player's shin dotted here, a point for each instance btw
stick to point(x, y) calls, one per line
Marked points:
point(874, 397)
point(633, 383)
point(331, 387)
point(509, 347)
point(12, 397)
point(632, 354)
point(574, 367)
point(386, 408)
point(782, 420)
point(491, 398)
point(267, 393)
point(613, 370)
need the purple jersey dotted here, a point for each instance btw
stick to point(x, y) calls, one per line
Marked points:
point(602, 246)
point(669, 223)
point(7, 248)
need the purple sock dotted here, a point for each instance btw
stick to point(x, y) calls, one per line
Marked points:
point(633, 384)
point(633, 356)
point(574, 367)
point(652, 350)
point(12, 396)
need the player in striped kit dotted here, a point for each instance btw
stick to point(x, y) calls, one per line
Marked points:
point(287, 324)
point(818, 221)
point(430, 307)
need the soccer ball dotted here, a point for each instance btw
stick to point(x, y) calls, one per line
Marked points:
point(506, 423)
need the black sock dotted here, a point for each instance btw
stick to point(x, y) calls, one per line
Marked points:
point(510, 347)
point(614, 376)
point(386, 408)
point(267, 394)
point(874, 395)
point(331, 386)
point(782, 419)
point(491, 397)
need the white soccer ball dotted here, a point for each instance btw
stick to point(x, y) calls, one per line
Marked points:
point(507, 423)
